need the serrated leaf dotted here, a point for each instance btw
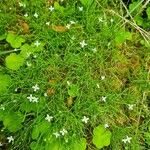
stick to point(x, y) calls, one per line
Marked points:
point(148, 12)
point(79, 144)
point(14, 40)
point(5, 81)
point(86, 3)
point(14, 61)
point(12, 121)
point(101, 136)
point(73, 90)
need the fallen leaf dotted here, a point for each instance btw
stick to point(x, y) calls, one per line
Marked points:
point(24, 26)
point(59, 28)
point(50, 91)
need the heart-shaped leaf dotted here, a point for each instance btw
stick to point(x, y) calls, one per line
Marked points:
point(101, 136)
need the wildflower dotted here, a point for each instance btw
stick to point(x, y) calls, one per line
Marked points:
point(56, 134)
point(111, 20)
point(26, 15)
point(22, 4)
point(68, 83)
point(51, 8)
point(29, 64)
point(37, 43)
point(85, 119)
point(103, 98)
point(102, 77)
point(100, 19)
point(30, 98)
point(94, 50)
point(98, 85)
point(45, 94)
point(1, 144)
point(68, 26)
point(63, 132)
point(49, 118)
point(10, 139)
point(83, 44)
point(47, 23)
point(34, 56)
point(130, 106)
point(35, 99)
point(127, 139)
point(72, 22)
point(35, 88)
point(36, 15)
point(80, 8)
point(106, 125)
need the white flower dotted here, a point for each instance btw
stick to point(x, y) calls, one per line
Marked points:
point(127, 139)
point(26, 15)
point(100, 19)
point(98, 86)
point(56, 134)
point(72, 22)
point(68, 83)
point(1, 144)
point(102, 77)
point(29, 64)
point(63, 132)
point(80, 8)
point(10, 139)
point(45, 94)
point(85, 119)
point(49, 118)
point(106, 125)
point(35, 99)
point(103, 98)
point(68, 26)
point(34, 56)
point(130, 106)
point(22, 4)
point(83, 44)
point(30, 98)
point(37, 43)
point(51, 8)
point(111, 20)
point(36, 15)
point(94, 50)
point(47, 23)
point(35, 88)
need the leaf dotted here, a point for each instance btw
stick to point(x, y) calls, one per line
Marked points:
point(135, 7)
point(14, 40)
point(79, 144)
point(101, 136)
point(86, 3)
point(59, 28)
point(73, 90)
point(2, 37)
point(148, 12)
point(26, 50)
point(14, 61)
point(12, 121)
point(58, 7)
point(25, 27)
point(5, 81)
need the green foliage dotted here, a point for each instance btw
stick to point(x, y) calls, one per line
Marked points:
point(12, 121)
point(87, 3)
point(14, 40)
point(79, 144)
point(101, 137)
point(14, 61)
point(135, 7)
point(5, 81)
point(148, 12)
point(26, 49)
point(73, 90)
point(2, 37)
point(58, 7)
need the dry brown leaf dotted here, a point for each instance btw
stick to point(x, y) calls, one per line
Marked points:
point(59, 28)
point(52, 81)
point(50, 92)
point(70, 101)
point(24, 26)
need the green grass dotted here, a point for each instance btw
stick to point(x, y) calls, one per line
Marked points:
point(123, 59)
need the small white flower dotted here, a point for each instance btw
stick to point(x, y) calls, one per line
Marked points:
point(34, 56)
point(106, 125)
point(22, 4)
point(83, 44)
point(35, 100)
point(56, 134)
point(36, 15)
point(98, 86)
point(68, 83)
point(49, 118)
point(80, 8)
point(35, 88)
point(94, 50)
point(103, 98)
point(127, 139)
point(1, 144)
point(63, 132)
point(10, 139)
point(26, 15)
point(51, 8)
point(85, 119)
point(29, 64)
point(102, 77)
point(111, 20)
point(68, 26)
point(45, 94)
point(30, 98)
point(37, 43)
point(72, 22)
point(130, 106)
point(100, 19)
point(47, 23)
